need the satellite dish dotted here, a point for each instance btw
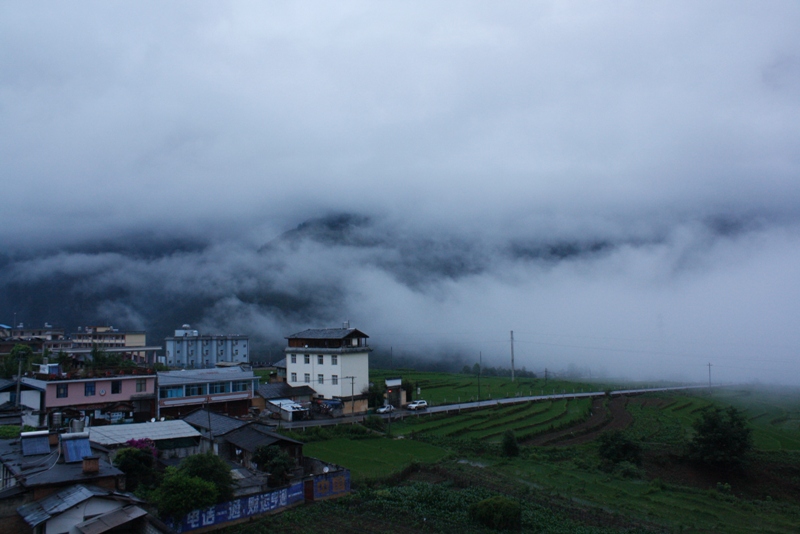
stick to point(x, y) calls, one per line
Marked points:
point(163, 418)
point(153, 420)
point(325, 469)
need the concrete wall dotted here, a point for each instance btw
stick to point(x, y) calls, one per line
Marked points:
point(76, 391)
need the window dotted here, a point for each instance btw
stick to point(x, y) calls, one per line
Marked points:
point(88, 389)
point(141, 385)
point(294, 377)
point(194, 390)
point(335, 380)
point(307, 378)
point(306, 359)
point(62, 391)
point(294, 358)
point(170, 392)
point(240, 386)
point(319, 359)
point(220, 387)
point(335, 359)
point(116, 386)
point(320, 379)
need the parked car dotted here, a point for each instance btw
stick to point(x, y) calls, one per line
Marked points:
point(417, 405)
point(386, 408)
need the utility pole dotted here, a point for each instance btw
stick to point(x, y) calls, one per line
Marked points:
point(480, 371)
point(545, 374)
point(709, 374)
point(391, 357)
point(512, 355)
point(352, 394)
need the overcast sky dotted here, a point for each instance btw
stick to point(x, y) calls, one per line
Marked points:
point(663, 137)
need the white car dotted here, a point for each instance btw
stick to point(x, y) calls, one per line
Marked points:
point(386, 408)
point(417, 405)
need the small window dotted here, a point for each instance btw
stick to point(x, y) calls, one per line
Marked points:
point(307, 378)
point(294, 377)
point(319, 359)
point(335, 380)
point(320, 379)
point(141, 385)
point(334, 359)
point(116, 386)
point(62, 391)
point(294, 358)
point(88, 389)
point(306, 359)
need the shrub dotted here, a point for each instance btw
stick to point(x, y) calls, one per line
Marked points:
point(212, 469)
point(498, 512)
point(722, 437)
point(138, 466)
point(276, 462)
point(180, 493)
point(375, 422)
point(510, 445)
point(616, 448)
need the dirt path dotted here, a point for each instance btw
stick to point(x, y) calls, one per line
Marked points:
point(603, 418)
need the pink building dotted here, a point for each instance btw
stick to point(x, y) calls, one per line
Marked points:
point(100, 400)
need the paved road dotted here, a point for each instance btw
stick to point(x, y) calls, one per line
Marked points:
point(458, 407)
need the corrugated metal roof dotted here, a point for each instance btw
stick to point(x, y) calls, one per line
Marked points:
point(198, 376)
point(107, 521)
point(40, 511)
point(327, 333)
point(120, 434)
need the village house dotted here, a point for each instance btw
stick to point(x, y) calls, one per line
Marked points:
point(227, 390)
point(332, 361)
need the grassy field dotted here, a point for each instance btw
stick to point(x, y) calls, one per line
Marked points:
point(427, 481)
point(452, 388)
point(372, 459)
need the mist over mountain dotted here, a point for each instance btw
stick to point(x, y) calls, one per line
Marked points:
point(621, 192)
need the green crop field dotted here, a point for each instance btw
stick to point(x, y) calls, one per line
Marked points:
point(370, 459)
point(448, 462)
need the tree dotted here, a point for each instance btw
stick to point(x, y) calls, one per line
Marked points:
point(210, 468)
point(510, 445)
point(138, 466)
point(180, 493)
point(498, 512)
point(616, 448)
point(276, 462)
point(722, 437)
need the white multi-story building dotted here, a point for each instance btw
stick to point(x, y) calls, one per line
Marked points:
point(187, 349)
point(332, 361)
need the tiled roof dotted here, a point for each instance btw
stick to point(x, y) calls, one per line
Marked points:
point(253, 436)
point(280, 390)
point(220, 424)
point(326, 333)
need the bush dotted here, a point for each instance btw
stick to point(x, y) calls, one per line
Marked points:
point(375, 422)
point(616, 448)
point(498, 512)
point(722, 437)
point(180, 493)
point(138, 466)
point(212, 469)
point(275, 461)
point(510, 445)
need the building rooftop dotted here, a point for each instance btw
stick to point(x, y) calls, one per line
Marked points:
point(197, 376)
point(40, 511)
point(255, 435)
point(328, 333)
point(280, 390)
point(220, 424)
point(47, 468)
point(111, 435)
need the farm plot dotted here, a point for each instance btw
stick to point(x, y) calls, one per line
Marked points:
point(526, 420)
point(370, 459)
